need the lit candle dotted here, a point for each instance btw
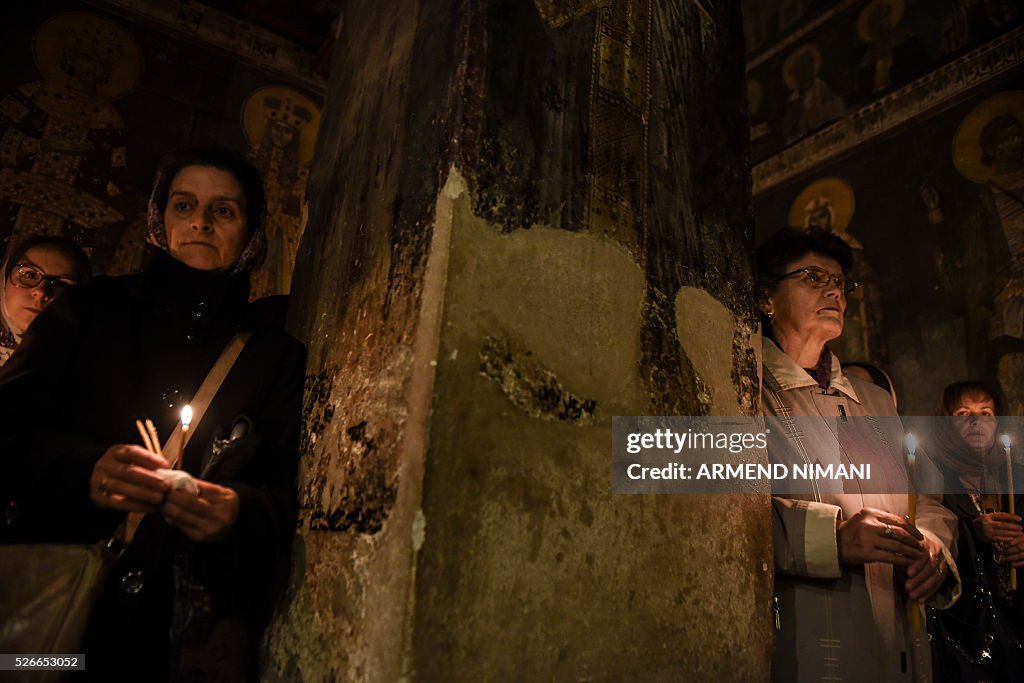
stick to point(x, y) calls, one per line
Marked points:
point(186, 420)
point(911, 443)
point(1009, 491)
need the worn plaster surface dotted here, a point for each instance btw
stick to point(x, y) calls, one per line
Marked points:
point(530, 568)
point(703, 324)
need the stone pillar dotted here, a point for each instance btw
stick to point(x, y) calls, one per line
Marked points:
point(526, 218)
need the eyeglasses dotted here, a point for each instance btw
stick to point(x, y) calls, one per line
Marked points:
point(28, 277)
point(819, 278)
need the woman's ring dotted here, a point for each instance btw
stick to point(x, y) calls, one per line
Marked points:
point(888, 531)
point(103, 488)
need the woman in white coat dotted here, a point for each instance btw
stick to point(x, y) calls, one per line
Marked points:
point(847, 560)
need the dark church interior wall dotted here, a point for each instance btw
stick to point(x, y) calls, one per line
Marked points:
point(166, 91)
point(932, 239)
point(845, 46)
point(901, 169)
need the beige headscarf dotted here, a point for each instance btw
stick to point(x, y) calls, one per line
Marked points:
point(10, 335)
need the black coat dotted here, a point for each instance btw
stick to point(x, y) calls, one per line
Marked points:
point(119, 349)
point(979, 638)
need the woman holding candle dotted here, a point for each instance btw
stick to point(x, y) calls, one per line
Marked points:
point(979, 638)
point(204, 561)
point(847, 561)
point(36, 271)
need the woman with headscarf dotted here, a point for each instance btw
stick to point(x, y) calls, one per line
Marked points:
point(979, 638)
point(36, 270)
point(847, 560)
point(191, 594)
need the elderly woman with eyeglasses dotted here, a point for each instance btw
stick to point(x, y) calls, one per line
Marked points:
point(36, 271)
point(847, 560)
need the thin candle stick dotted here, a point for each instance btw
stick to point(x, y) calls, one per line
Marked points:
point(911, 443)
point(145, 436)
point(151, 428)
point(1009, 491)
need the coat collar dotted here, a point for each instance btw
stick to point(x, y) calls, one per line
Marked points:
point(790, 375)
point(174, 286)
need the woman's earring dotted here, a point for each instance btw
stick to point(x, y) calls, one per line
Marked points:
point(771, 316)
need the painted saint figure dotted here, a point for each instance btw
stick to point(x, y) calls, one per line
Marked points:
point(811, 102)
point(988, 149)
point(755, 96)
point(281, 125)
point(878, 26)
point(61, 152)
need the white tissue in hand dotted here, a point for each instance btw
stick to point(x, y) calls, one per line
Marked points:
point(179, 479)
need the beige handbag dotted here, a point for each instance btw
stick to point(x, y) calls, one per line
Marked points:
point(47, 595)
point(47, 591)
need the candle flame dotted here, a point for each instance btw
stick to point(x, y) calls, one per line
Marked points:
point(186, 416)
point(1006, 440)
point(911, 443)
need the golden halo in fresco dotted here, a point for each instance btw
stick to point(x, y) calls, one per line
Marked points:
point(789, 66)
point(81, 45)
point(967, 154)
point(284, 106)
point(833, 196)
point(896, 9)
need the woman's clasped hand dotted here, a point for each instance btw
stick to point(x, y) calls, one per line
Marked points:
point(999, 527)
point(125, 478)
point(205, 516)
point(1004, 529)
point(878, 536)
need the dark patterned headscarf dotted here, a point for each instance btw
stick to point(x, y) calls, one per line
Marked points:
point(255, 250)
point(950, 449)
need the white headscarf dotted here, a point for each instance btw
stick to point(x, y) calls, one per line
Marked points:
point(10, 334)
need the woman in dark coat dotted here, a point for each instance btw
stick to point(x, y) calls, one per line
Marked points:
point(979, 638)
point(201, 567)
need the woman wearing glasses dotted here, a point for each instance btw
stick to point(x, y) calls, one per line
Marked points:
point(190, 596)
point(37, 270)
point(980, 637)
point(846, 559)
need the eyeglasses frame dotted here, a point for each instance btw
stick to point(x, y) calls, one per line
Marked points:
point(848, 287)
point(46, 281)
